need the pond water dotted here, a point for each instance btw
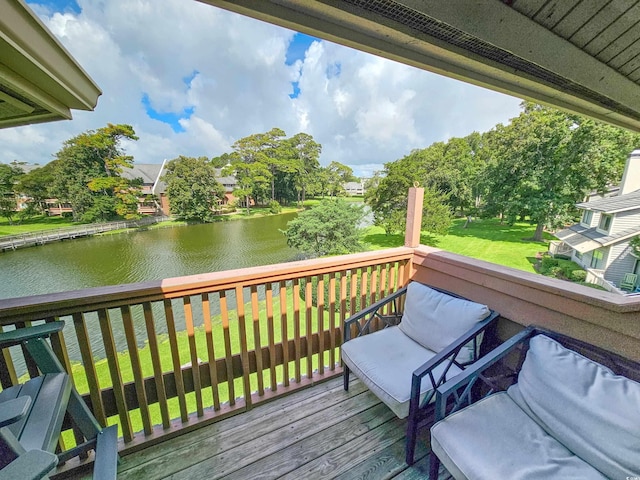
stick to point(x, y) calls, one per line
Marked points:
point(144, 255)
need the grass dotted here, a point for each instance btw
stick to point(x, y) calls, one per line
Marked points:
point(34, 224)
point(485, 239)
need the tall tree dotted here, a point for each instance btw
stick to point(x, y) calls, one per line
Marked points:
point(36, 184)
point(9, 176)
point(330, 228)
point(545, 160)
point(88, 174)
point(306, 158)
point(192, 188)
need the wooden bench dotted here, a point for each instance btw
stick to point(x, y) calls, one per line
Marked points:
point(32, 413)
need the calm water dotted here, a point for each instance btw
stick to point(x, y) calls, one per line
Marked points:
point(144, 255)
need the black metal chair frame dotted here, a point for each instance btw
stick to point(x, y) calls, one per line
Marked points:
point(491, 374)
point(420, 413)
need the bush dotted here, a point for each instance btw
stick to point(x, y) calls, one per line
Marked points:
point(274, 207)
point(547, 263)
point(555, 272)
point(578, 276)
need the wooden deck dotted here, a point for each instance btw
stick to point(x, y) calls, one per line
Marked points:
point(321, 432)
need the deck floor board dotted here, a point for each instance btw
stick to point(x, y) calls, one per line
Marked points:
point(322, 432)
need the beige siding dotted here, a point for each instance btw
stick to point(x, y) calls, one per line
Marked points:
point(619, 262)
point(625, 220)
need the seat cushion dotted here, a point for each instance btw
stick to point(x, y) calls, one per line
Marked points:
point(435, 320)
point(494, 439)
point(589, 409)
point(385, 361)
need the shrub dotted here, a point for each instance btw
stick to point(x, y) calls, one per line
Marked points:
point(274, 207)
point(578, 276)
point(555, 272)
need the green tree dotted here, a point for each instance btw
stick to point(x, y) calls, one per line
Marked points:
point(89, 167)
point(9, 176)
point(305, 161)
point(192, 188)
point(330, 228)
point(545, 160)
point(36, 184)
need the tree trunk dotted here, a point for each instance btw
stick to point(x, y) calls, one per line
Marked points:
point(247, 199)
point(537, 237)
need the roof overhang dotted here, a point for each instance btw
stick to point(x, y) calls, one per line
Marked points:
point(39, 80)
point(499, 45)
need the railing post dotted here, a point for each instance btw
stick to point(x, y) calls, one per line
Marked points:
point(414, 217)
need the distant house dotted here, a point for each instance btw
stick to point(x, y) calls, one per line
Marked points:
point(354, 188)
point(600, 242)
point(151, 201)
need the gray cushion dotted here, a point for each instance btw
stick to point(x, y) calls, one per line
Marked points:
point(590, 410)
point(435, 320)
point(494, 439)
point(385, 361)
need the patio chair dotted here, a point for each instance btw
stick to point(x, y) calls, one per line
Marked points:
point(629, 282)
point(541, 405)
point(438, 335)
point(32, 415)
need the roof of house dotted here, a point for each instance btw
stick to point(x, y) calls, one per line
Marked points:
point(615, 204)
point(148, 172)
point(585, 239)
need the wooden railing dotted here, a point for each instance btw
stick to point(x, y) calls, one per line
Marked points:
point(158, 358)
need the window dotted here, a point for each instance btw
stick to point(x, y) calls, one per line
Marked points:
point(596, 259)
point(578, 255)
point(587, 216)
point(605, 222)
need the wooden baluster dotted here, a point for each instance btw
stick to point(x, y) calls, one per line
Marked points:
point(136, 366)
point(59, 347)
point(89, 368)
point(320, 317)
point(383, 283)
point(116, 375)
point(211, 354)
point(271, 334)
point(255, 313)
point(353, 291)
point(285, 334)
point(155, 361)
point(364, 272)
point(392, 282)
point(175, 359)
point(193, 350)
point(296, 328)
point(332, 321)
point(343, 310)
point(244, 353)
point(308, 300)
point(228, 354)
point(373, 288)
point(8, 376)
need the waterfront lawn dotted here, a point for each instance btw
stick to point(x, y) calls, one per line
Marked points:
point(34, 224)
point(485, 239)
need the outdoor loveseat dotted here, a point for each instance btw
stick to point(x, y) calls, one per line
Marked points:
point(569, 415)
point(438, 335)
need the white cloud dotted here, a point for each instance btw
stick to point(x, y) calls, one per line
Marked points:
point(364, 110)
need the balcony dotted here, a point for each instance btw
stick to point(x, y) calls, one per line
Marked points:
point(239, 369)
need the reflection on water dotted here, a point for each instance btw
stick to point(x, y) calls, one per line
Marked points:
point(144, 255)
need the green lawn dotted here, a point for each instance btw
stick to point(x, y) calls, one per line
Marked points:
point(483, 239)
point(35, 224)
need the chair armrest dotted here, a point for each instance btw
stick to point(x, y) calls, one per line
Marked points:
point(469, 377)
point(19, 335)
point(446, 355)
point(13, 410)
point(370, 310)
point(32, 465)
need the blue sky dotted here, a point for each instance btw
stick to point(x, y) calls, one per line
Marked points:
point(192, 79)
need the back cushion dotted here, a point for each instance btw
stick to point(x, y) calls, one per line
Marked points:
point(435, 320)
point(583, 404)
